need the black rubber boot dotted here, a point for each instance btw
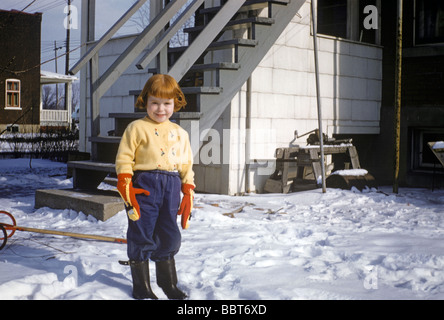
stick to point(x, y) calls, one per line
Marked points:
point(141, 280)
point(167, 279)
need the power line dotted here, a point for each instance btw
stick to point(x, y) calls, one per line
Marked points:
point(47, 5)
point(42, 63)
point(14, 4)
point(34, 5)
point(29, 5)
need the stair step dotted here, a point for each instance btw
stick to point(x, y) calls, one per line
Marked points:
point(251, 3)
point(106, 148)
point(105, 139)
point(185, 90)
point(208, 66)
point(219, 45)
point(92, 165)
point(87, 175)
point(236, 24)
point(199, 90)
point(198, 68)
point(122, 119)
point(217, 65)
point(138, 115)
point(182, 115)
point(248, 6)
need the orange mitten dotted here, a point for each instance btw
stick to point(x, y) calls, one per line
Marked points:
point(186, 205)
point(128, 194)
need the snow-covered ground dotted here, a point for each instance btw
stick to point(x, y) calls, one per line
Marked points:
point(306, 245)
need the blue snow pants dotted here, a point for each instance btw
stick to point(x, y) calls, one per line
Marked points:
point(155, 235)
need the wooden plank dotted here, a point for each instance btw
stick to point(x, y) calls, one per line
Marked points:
point(354, 157)
point(316, 164)
point(285, 166)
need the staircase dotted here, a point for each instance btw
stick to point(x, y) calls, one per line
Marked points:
point(226, 45)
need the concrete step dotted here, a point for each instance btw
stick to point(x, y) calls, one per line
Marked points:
point(101, 204)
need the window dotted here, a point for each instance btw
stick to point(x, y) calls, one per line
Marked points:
point(429, 21)
point(332, 17)
point(12, 94)
point(345, 19)
point(422, 156)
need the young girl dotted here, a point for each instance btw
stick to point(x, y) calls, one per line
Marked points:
point(153, 164)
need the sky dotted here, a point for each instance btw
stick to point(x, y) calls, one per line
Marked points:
point(54, 21)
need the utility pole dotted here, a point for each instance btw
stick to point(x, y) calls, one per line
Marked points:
point(397, 113)
point(55, 59)
point(68, 36)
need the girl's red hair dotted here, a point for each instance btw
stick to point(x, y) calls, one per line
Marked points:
point(162, 86)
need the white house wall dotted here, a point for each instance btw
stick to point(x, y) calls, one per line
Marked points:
point(284, 98)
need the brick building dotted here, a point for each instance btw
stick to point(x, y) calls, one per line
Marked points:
point(19, 70)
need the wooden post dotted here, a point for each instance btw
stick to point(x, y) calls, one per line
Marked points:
point(397, 114)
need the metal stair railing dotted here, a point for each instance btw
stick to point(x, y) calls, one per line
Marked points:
point(203, 40)
point(168, 34)
point(106, 37)
point(155, 28)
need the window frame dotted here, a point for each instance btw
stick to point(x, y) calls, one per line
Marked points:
point(424, 41)
point(354, 25)
point(419, 146)
point(13, 92)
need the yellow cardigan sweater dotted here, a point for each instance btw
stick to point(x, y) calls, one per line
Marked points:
point(148, 145)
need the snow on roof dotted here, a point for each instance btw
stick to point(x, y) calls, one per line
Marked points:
point(52, 77)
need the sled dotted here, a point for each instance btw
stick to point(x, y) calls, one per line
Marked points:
point(12, 228)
